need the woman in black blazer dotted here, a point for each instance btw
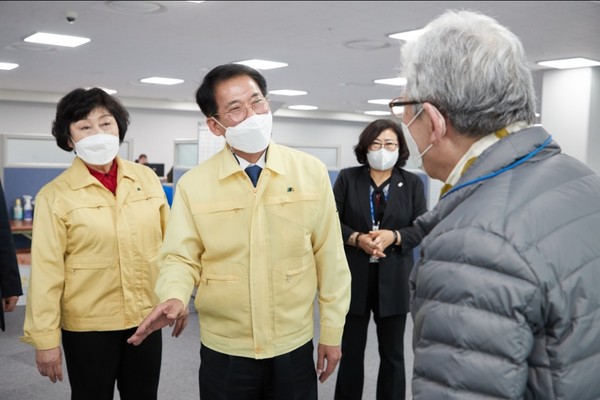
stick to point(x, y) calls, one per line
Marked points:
point(10, 280)
point(377, 203)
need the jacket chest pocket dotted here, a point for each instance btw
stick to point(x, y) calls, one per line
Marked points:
point(143, 214)
point(91, 230)
point(222, 219)
point(291, 220)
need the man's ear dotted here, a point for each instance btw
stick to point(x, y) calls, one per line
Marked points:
point(214, 127)
point(438, 122)
point(70, 143)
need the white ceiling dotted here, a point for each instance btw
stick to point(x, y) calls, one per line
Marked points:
point(335, 49)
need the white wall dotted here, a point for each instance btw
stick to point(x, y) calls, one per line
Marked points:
point(566, 109)
point(593, 146)
point(153, 131)
point(313, 132)
point(22, 117)
point(570, 104)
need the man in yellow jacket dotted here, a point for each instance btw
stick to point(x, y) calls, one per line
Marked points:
point(255, 230)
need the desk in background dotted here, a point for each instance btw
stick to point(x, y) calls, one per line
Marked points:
point(21, 228)
point(22, 234)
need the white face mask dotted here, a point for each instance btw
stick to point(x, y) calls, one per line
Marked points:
point(382, 159)
point(98, 149)
point(252, 135)
point(414, 156)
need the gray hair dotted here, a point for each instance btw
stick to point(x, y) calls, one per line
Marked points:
point(473, 69)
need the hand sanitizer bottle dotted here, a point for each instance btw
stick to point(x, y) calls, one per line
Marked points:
point(18, 210)
point(27, 209)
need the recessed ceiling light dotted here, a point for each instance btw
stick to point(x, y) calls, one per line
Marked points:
point(391, 81)
point(366, 44)
point(8, 66)
point(303, 107)
point(262, 64)
point(385, 102)
point(56, 40)
point(135, 7)
point(288, 92)
point(109, 91)
point(161, 81)
point(566, 63)
point(377, 112)
point(408, 35)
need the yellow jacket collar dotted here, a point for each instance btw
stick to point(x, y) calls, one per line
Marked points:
point(230, 166)
point(80, 177)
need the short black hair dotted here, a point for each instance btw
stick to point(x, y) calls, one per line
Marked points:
point(205, 95)
point(371, 132)
point(77, 105)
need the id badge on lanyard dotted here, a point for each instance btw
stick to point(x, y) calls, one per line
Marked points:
point(376, 224)
point(374, 259)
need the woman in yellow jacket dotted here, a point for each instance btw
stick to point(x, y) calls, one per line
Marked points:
point(96, 233)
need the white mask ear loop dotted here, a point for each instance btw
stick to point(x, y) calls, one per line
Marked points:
point(426, 150)
point(217, 121)
point(430, 144)
point(415, 117)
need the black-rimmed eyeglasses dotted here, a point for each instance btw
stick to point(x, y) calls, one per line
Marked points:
point(397, 106)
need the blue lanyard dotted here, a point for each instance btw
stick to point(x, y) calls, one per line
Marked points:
point(496, 173)
point(385, 195)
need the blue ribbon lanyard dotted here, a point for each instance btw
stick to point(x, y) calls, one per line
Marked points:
point(376, 224)
point(496, 173)
point(372, 204)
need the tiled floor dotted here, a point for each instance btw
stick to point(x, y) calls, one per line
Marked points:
point(20, 380)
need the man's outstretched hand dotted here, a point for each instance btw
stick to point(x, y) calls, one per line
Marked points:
point(171, 312)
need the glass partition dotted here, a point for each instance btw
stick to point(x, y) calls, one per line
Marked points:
point(330, 155)
point(41, 150)
point(186, 153)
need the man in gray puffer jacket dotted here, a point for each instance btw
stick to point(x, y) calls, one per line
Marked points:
point(506, 295)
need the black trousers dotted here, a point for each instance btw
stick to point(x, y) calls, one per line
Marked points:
point(391, 378)
point(95, 360)
point(290, 376)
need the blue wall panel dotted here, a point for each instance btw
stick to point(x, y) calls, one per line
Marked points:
point(20, 181)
